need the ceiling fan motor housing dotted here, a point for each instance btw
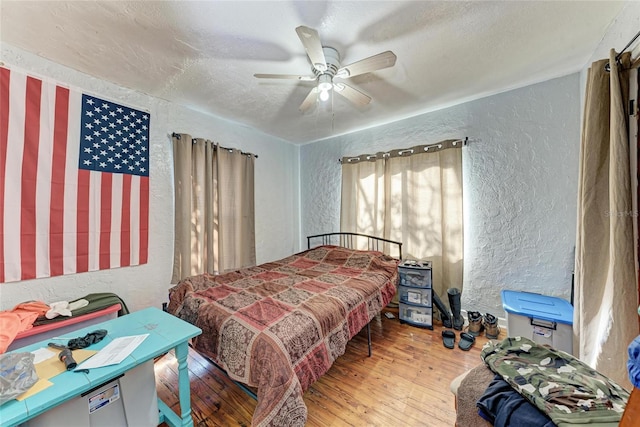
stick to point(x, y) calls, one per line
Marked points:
point(333, 62)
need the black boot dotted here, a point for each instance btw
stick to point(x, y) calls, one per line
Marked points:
point(454, 303)
point(445, 316)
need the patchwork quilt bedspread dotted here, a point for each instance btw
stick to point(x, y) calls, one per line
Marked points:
point(279, 326)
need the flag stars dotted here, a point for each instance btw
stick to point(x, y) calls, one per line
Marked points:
point(114, 138)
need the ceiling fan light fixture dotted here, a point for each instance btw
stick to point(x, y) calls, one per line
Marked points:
point(324, 95)
point(324, 83)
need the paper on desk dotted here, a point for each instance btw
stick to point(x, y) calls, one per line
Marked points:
point(42, 354)
point(114, 352)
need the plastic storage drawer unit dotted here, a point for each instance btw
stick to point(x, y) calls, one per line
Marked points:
point(542, 319)
point(414, 293)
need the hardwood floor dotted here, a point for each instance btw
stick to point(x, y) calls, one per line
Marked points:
point(404, 383)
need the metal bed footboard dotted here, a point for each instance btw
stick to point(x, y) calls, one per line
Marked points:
point(350, 241)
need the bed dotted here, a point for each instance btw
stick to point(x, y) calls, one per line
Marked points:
point(279, 326)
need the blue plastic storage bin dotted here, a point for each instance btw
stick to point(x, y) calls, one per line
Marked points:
point(541, 318)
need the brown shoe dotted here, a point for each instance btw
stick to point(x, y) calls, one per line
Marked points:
point(491, 329)
point(475, 323)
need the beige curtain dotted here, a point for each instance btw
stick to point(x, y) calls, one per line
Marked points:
point(214, 208)
point(363, 204)
point(413, 198)
point(606, 298)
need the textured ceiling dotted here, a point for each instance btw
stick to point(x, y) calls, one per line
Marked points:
point(203, 54)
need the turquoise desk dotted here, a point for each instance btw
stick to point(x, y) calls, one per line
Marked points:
point(165, 331)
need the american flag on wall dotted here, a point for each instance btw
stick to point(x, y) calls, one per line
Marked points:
point(74, 181)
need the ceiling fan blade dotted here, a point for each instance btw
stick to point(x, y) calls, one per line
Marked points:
point(309, 100)
point(285, 76)
point(311, 42)
point(352, 94)
point(376, 62)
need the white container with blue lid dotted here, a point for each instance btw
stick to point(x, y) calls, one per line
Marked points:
point(541, 318)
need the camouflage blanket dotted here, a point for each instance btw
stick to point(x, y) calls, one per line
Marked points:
point(558, 384)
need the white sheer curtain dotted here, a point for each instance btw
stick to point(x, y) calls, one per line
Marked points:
point(606, 294)
point(413, 198)
point(214, 208)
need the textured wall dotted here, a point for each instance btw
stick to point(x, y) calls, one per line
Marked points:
point(277, 220)
point(520, 181)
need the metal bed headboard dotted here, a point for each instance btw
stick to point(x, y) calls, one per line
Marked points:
point(350, 240)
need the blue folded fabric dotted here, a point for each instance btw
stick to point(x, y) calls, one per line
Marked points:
point(504, 407)
point(634, 362)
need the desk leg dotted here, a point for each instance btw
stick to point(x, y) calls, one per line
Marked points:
point(182, 351)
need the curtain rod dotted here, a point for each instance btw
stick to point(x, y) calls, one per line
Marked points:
point(433, 147)
point(607, 67)
point(178, 136)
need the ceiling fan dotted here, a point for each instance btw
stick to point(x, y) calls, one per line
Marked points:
point(326, 67)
